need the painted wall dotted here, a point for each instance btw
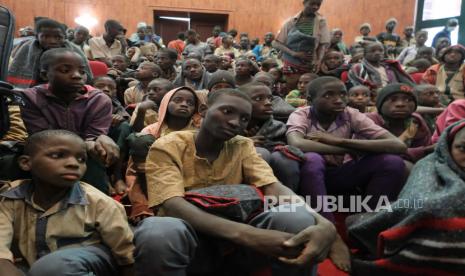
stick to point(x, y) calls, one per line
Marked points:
point(253, 16)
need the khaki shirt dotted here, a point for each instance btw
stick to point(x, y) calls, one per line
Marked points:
point(151, 116)
point(17, 131)
point(134, 95)
point(173, 166)
point(320, 30)
point(99, 49)
point(85, 217)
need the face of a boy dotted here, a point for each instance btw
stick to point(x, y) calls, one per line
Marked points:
point(422, 38)
point(453, 57)
point(164, 61)
point(107, 86)
point(302, 84)
point(193, 69)
point(51, 38)
point(59, 162)
point(374, 53)
point(262, 109)
point(210, 64)
point(311, 6)
point(398, 106)
point(145, 73)
point(333, 60)
point(365, 31)
point(227, 117)
point(429, 97)
point(182, 104)
point(80, 36)
point(119, 63)
point(242, 68)
point(331, 99)
point(458, 149)
point(359, 97)
point(156, 92)
point(66, 76)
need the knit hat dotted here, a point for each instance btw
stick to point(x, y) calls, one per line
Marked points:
point(221, 76)
point(392, 19)
point(391, 89)
point(457, 47)
point(365, 25)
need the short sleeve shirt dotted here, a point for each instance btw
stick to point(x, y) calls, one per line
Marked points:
point(85, 217)
point(99, 48)
point(349, 123)
point(173, 166)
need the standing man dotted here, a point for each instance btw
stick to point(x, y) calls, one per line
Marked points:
point(448, 29)
point(303, 39)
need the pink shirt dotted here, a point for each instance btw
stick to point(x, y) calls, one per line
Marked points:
point(349, 123)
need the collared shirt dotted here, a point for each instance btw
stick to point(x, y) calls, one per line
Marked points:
point(99, 48)
point(151, 116)
point(89, 115)
point(320, 30)
point(349, 123)
point(17, 131)
point(173, 166)
point(134, 95)
point(84, 217)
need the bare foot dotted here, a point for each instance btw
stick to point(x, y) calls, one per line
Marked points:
point(340, 255)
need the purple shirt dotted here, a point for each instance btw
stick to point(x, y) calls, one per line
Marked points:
point(89, 115)
point(349, 123)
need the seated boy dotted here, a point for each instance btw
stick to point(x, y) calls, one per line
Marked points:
point(211, 63)
point(147, 72)
point(166, 59)
point(429, 106)
point(59, 225)
point(66, 103)
point(396, 104)
point(24, 69)
point(298, 98)
point(453, 113)
point(192, 75)
point(359, 98)
point(146, 112)
point(324, 132)
point(449, 75)
point(122, 75)
point(333, 64)
point(119, 130)
point(167, 245)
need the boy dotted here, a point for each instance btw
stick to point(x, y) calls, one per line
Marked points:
point(24, 70)
point(324, 132)
point(66, 103)
point(429, 105)
point(227, 48)
point(147, 72)
point(146, 112)
point(193, 75)
point(333, 65)
point(298, 98)
point(375, 72)
point(359, 98)
point(166, 246)
point(396, 104)
point(449, 76)
point(211, 63)
point(60, 225)
point(104, 47)
point(389, 39)
point(408, 54)
point(166, 59)
point(81, 35)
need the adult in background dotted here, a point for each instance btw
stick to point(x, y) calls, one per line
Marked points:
point(448, 29)
point(303, 39)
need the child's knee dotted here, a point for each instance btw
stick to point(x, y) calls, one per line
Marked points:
point(291, 218)
point(264, 153)
point(313, 162)
point(391, 163)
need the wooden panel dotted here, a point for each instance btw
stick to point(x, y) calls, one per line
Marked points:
point(255, 17)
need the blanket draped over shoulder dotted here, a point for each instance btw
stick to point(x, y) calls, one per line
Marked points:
point(425, 232)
